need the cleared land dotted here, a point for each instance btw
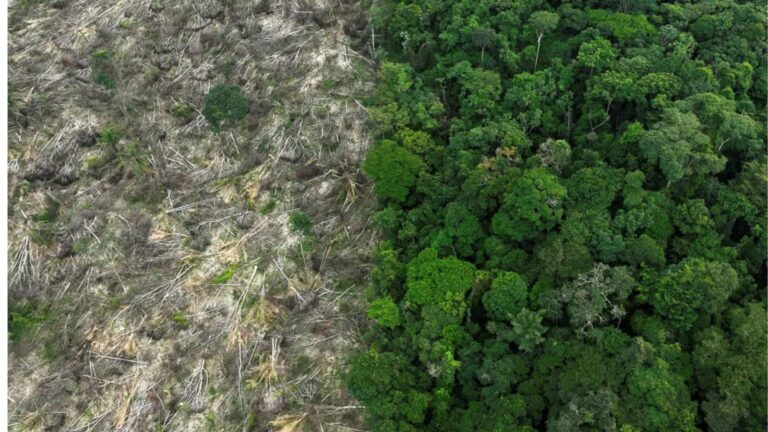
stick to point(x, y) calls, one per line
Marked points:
point(166, 277)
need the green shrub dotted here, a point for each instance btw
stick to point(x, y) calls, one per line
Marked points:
point(24, 318)
point(101, 69)
point(224, 105)
point(268, 207)
point(110, 135)
point(183, 112)
point(180, 318)
point(301, 223)
point(226, 275)
point(44, 228)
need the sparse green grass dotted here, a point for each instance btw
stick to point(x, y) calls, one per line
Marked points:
point(210, 420)
point(48, 352)
point(81, 245)
point(227, 66)
point(226, 275)
point(26, 318)
point(135, 158)
point(49, 215)
point(44, 228)
point(182, 111)
point(43, 234)
point(328, 84)
point(268, 207)
point(180, 319)
point(114, 302)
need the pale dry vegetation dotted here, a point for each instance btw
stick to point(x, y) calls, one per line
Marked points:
point(178, 296)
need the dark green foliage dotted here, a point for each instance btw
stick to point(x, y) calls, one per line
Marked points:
point(224, 106)
point(693, 288)
point(533, 205)
point(301, 223)
point(574, 211)
point(110, 136)
point(43, 229)
point(25, 318)
point(102, 70)
point(507, 296)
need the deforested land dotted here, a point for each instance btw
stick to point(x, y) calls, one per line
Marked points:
point(389, 215)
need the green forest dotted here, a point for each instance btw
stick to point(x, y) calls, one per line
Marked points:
point(573, 205)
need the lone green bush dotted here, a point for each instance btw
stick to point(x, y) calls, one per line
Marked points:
point(101, 69)
point(224, 105)
point(301, 223)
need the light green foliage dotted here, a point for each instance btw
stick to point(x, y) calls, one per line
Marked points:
point(403, 102)
point(529, 97)
point(625, 27)
point(659, 399)
point(180, 319)
point(225, 275)
point(385, 312)
point(692, 217)
point(543, 21)
point(433, 280)
point(597, 54)
point(393, 168)
point(728, 129)
point(594, 409)
point(224, 105)
point(481, 89)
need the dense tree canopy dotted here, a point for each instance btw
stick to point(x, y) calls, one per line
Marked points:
point(574, 203)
